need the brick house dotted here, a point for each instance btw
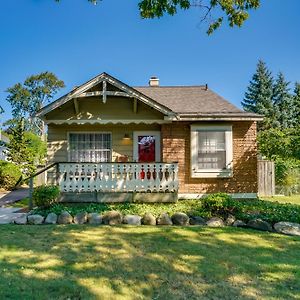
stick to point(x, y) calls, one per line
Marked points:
point(114, 142)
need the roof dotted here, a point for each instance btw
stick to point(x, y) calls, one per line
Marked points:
point(177, 102)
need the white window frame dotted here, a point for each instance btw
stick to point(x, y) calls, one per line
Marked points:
point(157, 144)
point(89, 132)
point(211, 173)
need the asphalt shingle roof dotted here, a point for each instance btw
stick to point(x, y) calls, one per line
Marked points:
point(190, 99)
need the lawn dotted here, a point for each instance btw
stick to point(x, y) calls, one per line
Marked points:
point(85, 262)
point(294, 199)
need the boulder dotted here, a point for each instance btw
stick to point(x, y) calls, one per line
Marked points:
point(35, 219)
point(230, 220)
point(65, 218)
point(259, 224)
point(81, 218)
point(239, 223)
point(215, 222)
point(148, 219)
point(180, 218)
point(112, 218)
point(94, 218)
point(132, 220)
point(51, 218)
point(196, 220)
point(164, 219)
point(21, 220)
point(288, 228)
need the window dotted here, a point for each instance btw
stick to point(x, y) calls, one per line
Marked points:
point(90, 147)
point(211, 151)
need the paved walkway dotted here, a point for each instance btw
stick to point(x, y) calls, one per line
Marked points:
point(9, 214)
point(13, 196)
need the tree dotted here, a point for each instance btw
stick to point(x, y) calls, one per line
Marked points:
point(236, 11)
point(283, 102)
point(258, 97)
point(296, 104)
point(25, 149)
point(27, 98)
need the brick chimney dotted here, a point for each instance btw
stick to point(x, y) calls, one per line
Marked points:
point(153, 81)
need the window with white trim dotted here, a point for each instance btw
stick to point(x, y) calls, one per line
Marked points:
point(90, 147)
point(211, 151)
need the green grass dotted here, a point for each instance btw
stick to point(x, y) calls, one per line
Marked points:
point(294, 199)
point(22, 203)
point(85, 262)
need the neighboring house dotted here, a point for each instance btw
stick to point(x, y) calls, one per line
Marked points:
point(4, 140)
point(108, 137)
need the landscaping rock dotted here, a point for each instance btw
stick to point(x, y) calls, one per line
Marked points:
point(215, 222)
point(132, 220)
point(51, 218)
point(64, 218)
point(148, 219)
point(196, 220)
point(180, 219)
point(81, 218)
point(164, 219)
point(288, 228)
point(230, 220)
point(35, 219)
point(112, 218)
point(94, 218)
point(239, 223)
point(259, 224)
point(21, 220)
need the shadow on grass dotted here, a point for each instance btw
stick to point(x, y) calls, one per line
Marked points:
point(85, 262)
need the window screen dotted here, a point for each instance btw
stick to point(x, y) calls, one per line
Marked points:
point(90, 147)
point(211, 150)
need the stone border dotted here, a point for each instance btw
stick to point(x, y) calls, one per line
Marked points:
point(180, 219)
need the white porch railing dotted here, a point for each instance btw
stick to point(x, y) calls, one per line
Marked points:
point(118, 177)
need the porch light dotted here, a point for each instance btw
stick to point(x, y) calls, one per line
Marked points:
point(126, 137)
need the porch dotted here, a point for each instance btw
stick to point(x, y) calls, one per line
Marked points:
point(117, 182)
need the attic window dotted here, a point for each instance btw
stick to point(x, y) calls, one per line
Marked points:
point(211, 151)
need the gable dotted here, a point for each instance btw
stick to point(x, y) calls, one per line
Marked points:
point(102, 87)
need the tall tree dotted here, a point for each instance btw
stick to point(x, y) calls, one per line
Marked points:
point(283, 102)
point(258, 97)
point(296, 104)
point(27, 98)
point(235, 11)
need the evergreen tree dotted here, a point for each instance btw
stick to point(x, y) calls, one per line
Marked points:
point(259, 94)
point(296, 104)
point(283, 102)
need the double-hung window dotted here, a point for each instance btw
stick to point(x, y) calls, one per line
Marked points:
point(211, 151)
point(89, 147)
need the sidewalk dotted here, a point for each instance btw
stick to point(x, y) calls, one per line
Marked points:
point(13, 196)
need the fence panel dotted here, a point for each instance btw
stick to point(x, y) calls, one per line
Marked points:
point(266, 178)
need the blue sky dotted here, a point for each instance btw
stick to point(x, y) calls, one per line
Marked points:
point(77, 40)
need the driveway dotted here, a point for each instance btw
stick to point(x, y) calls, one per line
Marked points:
point(13, 196)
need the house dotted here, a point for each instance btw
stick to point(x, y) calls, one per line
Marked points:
point(114, 142)
point(4, 140)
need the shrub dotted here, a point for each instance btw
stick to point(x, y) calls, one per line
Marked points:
point(218, 203)
point(9, 175)
point(45, 196)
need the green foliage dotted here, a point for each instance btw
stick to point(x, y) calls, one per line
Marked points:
point(9, 175)
point(236, 11)
point(44, 196)
point(258, 97)
point(25, 149)
point(218, 203)
point(27, 98)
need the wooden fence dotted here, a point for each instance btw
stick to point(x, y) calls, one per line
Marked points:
point(266, 178)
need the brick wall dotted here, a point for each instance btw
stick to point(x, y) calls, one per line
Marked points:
point(176, 147)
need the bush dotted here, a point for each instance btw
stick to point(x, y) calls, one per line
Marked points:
point(9, 175)
point(218, 203)
point(44, 196)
